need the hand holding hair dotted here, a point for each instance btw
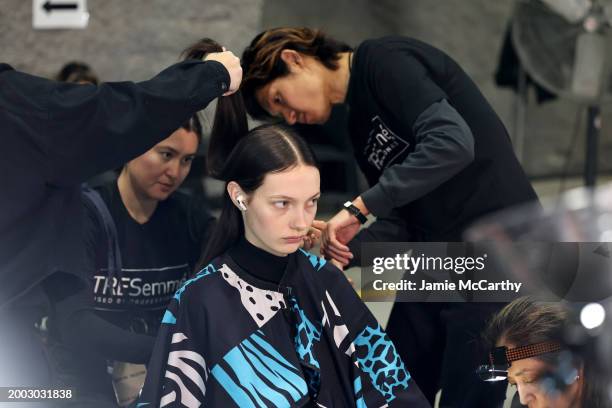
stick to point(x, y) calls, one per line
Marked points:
point(232, 64)
point(230, 123)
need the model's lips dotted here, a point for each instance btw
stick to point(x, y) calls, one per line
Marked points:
point(294, 239)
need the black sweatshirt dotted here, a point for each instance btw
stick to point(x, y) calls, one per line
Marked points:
point(118, 320)
point(56, 135)
point(434, 151)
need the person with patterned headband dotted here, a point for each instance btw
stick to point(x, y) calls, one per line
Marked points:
point(531, 352)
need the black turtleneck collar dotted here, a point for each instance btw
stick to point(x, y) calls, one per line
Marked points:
point(257, 262)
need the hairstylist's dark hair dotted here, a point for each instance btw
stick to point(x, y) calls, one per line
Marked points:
point(194, 125)
point(528, 321)
point(264, 150)
point(77, 72)
point(262, 62)
point(230, 121)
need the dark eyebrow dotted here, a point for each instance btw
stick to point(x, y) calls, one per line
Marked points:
point(176, 152)
point(292, 198)
point(168, 148)
point(523, 371)
point(268, 108)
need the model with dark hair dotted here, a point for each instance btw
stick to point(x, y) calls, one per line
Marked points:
point(531, 336)
point(265, 323)
point(433, 150)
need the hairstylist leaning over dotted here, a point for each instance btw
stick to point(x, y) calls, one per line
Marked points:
point(434, 152)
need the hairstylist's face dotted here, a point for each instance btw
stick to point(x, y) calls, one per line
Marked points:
point(299, 97)
point(280, 212)
point(161, 170)
point(527, 375)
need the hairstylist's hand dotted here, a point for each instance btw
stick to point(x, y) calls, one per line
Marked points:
point(313, 236)
point(341, 229)
point(232, 64)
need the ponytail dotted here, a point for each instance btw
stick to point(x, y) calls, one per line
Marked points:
point(230, 122)
point(229, 126)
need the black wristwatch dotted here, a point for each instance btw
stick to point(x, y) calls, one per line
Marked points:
point(350, 207)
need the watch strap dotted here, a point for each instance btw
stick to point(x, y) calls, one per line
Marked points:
point(351, 208)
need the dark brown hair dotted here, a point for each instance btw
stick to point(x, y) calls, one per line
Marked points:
point(528, 321)
point(265, 149)
point(194, 125)
point(77, 72)
point(262, 62)
point(230, 121)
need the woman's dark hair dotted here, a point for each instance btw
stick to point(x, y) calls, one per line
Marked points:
point(194, 125)
point(528, 321)
point(230, 116)
point(77, 72)
point(264, 150)
point(262, 62)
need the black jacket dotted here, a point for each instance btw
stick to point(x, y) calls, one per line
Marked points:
point(432, 148)
point(56, 135)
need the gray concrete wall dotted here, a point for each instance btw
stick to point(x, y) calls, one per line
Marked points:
point(133, 39)
point(125, 39)
point(471, 31)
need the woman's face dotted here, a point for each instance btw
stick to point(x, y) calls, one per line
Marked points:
point(526, 375)
point(162, 169)
point(299, 97)
point(280, 212)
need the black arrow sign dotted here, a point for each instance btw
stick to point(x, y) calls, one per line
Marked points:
point(48, 6)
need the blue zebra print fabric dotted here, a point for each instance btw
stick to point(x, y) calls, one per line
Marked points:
point(231, 340)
